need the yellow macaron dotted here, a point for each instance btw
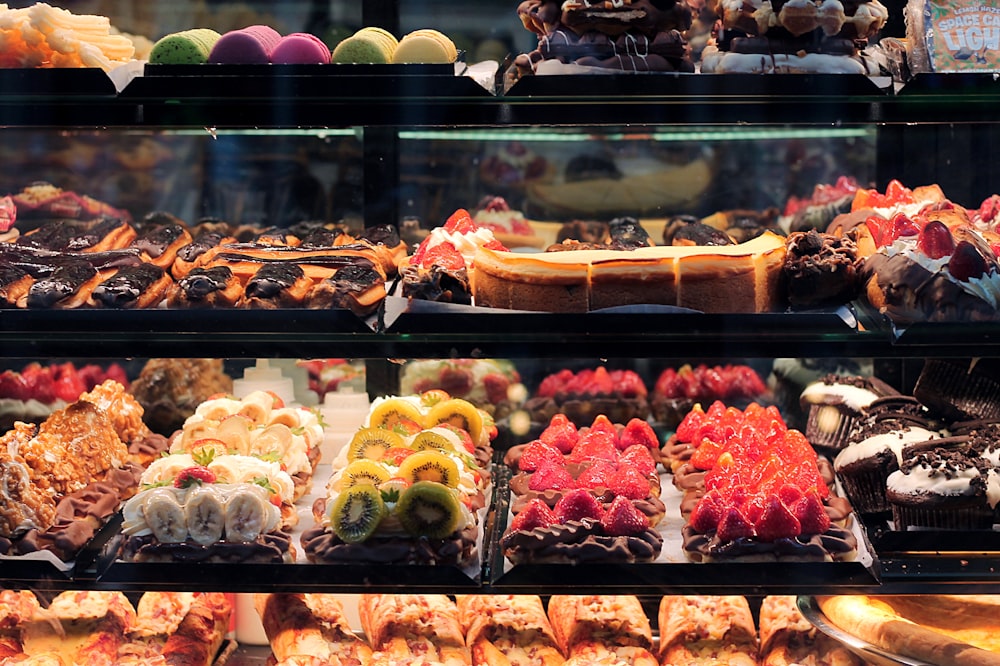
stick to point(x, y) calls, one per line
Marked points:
point(425, 46)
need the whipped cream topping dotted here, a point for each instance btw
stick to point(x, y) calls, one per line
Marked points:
point(227, 469)
point(465, 243)
point(893, 441)
point(853, 396)
point(931, 479)
point(986, 288)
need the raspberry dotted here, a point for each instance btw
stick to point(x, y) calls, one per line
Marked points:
point(628, 482)
point(597, 475)
point(536, 514)
point(560, 433)
point(535, 453)
point(733, 526)
point(638, 456)
point(812, 516)
point(551, 478)
point(776, 521)
point(707, 512)
point(623, 519)
point(638, 431)
point(577, 505)
point(189, 476)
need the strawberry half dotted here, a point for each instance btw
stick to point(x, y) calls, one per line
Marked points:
point(623, 519)
point(577, 505)
point(935, 240)
point(776, 521)
point(536, 514)
point(189, 476)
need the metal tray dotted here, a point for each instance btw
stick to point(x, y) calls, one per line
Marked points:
point(865, 650)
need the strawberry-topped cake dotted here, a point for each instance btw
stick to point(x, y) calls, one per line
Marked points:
point(440, 268)
point(508, 225)
point(582, 395)
point(762, 497)
point(817, 210)
point(927, 260)
point(585, 494)
point(33, 393)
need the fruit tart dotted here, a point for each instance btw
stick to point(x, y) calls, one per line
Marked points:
point(583, 395)
point(259, 424)
point(599, 501)
point(756, 493)
point(210, 506)
point(408, 487)
point(678, 389)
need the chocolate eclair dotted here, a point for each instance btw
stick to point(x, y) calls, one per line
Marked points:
point(359, 288)
point(214, 287)
point(277, 285)
point(142, 286)
point(159, 244)
point(70, 286)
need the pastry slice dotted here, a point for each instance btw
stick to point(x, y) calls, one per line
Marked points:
point(80, 627)
point(787, 638)
point(309, 625)
point(601, 629)
point(508, 630)
point(707, 631)
point(407, 626)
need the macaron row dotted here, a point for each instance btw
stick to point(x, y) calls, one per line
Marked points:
point(377, 46)
point(261, 44)
point(253, 45)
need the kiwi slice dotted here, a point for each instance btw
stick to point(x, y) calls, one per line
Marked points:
point(459, 413)
point(372, 443)
point(363, 471)
point(430, 465)
point(433, 439)
point(428, 509)
point(356, 513)
point(391, 412)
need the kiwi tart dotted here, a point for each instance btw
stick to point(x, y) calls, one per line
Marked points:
point(409, 486)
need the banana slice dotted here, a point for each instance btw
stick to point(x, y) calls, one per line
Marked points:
point(165, 515)
point(206, 515)
point(246, 515)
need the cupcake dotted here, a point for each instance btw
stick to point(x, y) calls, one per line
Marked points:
point(960, 389)
point(941, 484)
point(835, 405)
point(876, 449)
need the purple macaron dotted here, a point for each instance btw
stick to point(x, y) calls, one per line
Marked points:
point(250, 46)
point(300, 48)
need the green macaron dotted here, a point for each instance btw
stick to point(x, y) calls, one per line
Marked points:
point(188, 47)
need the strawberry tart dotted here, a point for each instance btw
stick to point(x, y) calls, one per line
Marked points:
point(36, 391)
point(678, 389)
point(755, 492)
point(585, 495)
point(583, 395)
point(440, 269)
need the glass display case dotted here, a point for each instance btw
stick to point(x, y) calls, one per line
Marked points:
point(273, 148)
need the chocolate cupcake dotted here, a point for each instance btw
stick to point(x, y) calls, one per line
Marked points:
point(941, 484)
point(960, 389)
point(876, 449)
point(835, 404)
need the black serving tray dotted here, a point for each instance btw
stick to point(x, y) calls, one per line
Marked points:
point(56, 82)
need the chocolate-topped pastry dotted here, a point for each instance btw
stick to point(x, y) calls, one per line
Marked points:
point(820, 269)
point(159, 243)
point(72, 236)
point(68, 287)
point(15, 281)
point(214, 287)
point(277, 285)
point(627, 234)
point(875, 448)
point(437, 283)
point(626, 35)
point(188, 256)
point(697, 233)
point(835, 404)
point(142, 286)
point(358, 288)
point(585, 231)
point(944, 485)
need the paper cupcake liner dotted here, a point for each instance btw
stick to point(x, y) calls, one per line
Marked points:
point(829, 427)
point(943, 517)
point(866, 489)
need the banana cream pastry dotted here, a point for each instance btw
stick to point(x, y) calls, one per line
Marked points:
point(209, 507)
point(259, 424)
point(407, 487)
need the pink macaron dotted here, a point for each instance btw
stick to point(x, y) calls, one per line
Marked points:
point(300, 48)
point(249, 46)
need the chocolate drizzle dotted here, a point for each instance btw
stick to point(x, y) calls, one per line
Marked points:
point(579, 541)
point(326, 547)
point(836, 544)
